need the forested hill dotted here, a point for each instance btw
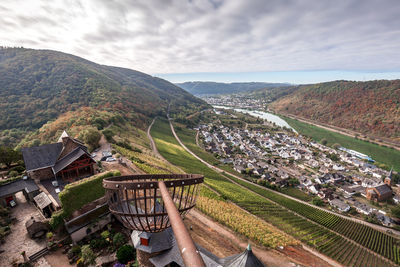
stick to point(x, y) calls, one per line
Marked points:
point(371, 107)
point(210, 88)
point(37, 86)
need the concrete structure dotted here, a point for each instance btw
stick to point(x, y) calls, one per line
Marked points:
point(87, 223)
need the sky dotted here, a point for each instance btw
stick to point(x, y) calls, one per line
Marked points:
point(295, 41)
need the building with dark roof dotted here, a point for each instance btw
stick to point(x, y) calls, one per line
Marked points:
point(28, 187)
point(379, 193)
point(68, 159)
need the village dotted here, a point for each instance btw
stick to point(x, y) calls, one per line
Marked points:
point(344, 180)
point(236, 101)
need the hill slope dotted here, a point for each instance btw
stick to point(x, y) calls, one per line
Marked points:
point(209, 88)
point(37, 86)
point(372, 107)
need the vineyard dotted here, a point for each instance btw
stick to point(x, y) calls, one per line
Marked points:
point(342, 240)
point(366, 236)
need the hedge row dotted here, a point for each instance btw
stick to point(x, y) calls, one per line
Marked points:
point(77, 194)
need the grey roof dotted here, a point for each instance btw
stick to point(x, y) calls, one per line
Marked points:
point(19, 185)
point(173, 255)
point(244, 259)
point(39, 157)
point(157, 241)
point(68, 159)
point(383, 189)
point(42, 200)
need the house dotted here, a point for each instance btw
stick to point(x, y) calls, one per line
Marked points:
point(67, 159)
point(326, 193)
point(339, 204)
point(379, 193)
point(363, 208)
point(350, 190)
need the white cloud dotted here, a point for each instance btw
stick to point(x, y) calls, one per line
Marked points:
point(175, 36)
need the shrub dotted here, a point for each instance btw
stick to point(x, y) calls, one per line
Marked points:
point(317, 201)
point(57, 219)
point(125, 253)
point(49, 235)
point(88, 255)
point(13, 173)
point(98, 243)
point(75, 250)
point(324, 141)
point(105, 234)
point(118, 240)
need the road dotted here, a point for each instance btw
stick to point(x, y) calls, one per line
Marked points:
point(374, 226)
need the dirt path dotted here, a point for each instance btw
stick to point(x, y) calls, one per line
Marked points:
point(152, 143)
point(154, 147)
point(374, 226)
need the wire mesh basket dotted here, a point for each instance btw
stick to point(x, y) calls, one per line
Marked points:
point(137, 203)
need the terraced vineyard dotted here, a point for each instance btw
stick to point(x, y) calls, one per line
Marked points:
point(366, 236)
point(306, 223)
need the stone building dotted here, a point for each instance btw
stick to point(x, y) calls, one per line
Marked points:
point(379, 193)
point(67, 159)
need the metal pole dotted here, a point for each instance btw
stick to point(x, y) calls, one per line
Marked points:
point(190, 255)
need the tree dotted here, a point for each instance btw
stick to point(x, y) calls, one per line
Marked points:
point(8, 156)
point(91, 137)
point(336, 146)
point(317, 201)
point(324, 141)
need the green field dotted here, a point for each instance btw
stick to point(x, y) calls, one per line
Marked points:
point(315, 234)
point(385, 155)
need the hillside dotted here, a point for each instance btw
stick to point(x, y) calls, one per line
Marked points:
point(371, 108)
point(210, 88)
point(37, 86)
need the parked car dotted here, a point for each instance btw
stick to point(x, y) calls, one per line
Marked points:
point(110, 159)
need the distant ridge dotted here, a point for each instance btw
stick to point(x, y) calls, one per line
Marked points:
point(210, 88)
point(371, 108)
point(37, 86)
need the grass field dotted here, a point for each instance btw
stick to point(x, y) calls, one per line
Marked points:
point(311, 233)
point(386, 155)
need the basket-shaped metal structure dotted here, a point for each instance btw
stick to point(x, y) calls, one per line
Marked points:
point(136, 200)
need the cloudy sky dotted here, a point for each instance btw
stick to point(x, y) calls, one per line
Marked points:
point(281, 40)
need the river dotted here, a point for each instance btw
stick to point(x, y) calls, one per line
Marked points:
point(261, 114)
